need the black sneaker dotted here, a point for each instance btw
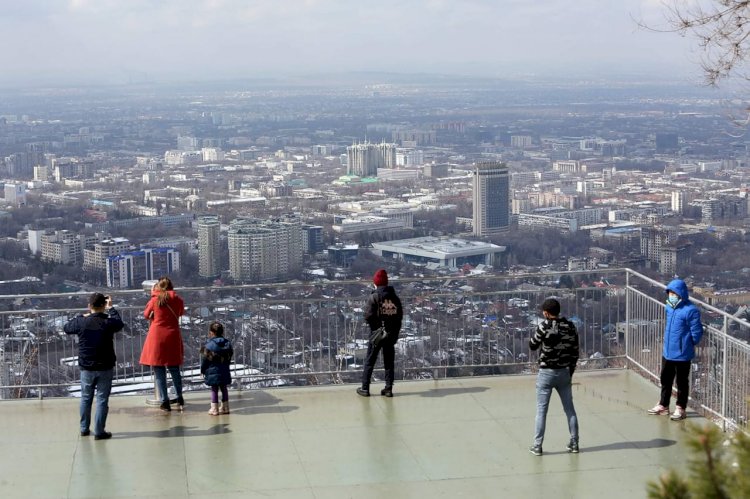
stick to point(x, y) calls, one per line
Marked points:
point(165, 407)
point(572, 447)
point(85, 433)
point(103, 436)
point(536, 450)
point(363, 392)
point(387, 392)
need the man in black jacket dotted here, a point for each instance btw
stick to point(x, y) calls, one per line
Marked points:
point(96, 359)
point(383, 308)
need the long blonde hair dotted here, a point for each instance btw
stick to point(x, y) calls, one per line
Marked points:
point(162, 289)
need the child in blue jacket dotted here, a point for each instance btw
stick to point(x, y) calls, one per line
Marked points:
point(216, 356)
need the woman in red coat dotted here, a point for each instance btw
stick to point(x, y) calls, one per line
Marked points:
point(163, 348)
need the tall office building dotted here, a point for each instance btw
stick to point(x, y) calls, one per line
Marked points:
point(209, 250)
point(365, 159)
point(491, 197)
point(264, 250)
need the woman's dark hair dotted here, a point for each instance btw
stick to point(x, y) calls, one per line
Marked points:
point(217, 328)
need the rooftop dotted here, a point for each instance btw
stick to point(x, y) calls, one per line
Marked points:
point(459, 437)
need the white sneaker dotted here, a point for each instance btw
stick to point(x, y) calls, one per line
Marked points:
point(659, 410)
point(678, 414)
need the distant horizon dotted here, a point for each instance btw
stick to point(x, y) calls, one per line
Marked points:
point(354, 77)
point(74, 42)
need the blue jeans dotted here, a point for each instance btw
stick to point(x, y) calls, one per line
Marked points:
point(101, 382)
point(546, 380)
point(160, 373)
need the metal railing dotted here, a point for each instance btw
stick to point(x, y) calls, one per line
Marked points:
point(312, 333)
point(720, 374)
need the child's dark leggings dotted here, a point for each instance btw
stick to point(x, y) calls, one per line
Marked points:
point(215, 394)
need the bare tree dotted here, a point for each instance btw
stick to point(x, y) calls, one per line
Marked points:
point(722, 28)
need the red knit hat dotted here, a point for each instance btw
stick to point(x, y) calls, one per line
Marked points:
point(380, 278)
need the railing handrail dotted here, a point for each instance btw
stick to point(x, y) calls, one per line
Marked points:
point(394, 279)
point(694, 300)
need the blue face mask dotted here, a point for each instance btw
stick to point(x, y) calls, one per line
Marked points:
point(673, 299)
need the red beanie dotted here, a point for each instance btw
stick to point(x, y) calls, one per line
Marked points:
point(380, 278)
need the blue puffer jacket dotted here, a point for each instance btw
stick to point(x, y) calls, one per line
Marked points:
point(683, 329)
point(215, 359)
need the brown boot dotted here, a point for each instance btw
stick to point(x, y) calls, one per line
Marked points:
point(224, 408)
point(214, 410)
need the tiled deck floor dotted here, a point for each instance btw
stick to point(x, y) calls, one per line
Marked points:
point(465, 437)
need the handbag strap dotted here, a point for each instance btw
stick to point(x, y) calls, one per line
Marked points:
point(173, 313)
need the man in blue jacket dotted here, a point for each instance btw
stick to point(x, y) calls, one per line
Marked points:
point(682, 332)
point(96, 359)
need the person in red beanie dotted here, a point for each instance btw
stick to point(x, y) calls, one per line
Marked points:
point(383, 308)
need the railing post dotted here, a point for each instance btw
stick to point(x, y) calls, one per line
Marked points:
point(627, 317)
point(725, 330)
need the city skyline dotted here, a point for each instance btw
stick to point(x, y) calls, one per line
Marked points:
point(86, 42)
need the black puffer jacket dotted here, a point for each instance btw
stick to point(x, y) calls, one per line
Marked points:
point(216, 357)
point(96, 346)
point(384, 306)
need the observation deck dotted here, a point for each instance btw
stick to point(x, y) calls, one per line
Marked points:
point(464, 437)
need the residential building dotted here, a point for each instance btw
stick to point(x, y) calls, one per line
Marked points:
point(15, 194)
point(264, 250)
point(129, 270)
point(654, 239)
point(96, 257)
point(364, 160)
point(209, 250)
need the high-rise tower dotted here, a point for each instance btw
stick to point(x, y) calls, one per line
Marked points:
point(208, 246)
point(365, 159)
point(491, 197)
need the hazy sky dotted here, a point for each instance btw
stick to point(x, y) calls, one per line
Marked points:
point(118, 40)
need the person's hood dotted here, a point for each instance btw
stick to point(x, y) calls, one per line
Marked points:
point(218, 344)
point(384, 291)
point(678, 286)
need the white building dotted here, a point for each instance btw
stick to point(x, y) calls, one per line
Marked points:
point(129, 270)
point(212, 154)
point(96, 258)
point(443, 251)
point(15, 194)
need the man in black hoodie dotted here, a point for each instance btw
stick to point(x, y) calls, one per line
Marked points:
point(96, 360)
point(384, 309)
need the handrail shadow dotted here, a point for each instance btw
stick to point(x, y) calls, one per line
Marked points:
point(176, 431)
point(654, 443)
point(443, 392)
